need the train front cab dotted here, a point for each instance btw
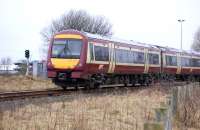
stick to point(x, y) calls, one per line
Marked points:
point(66, 57)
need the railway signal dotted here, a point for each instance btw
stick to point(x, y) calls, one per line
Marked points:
point(27, 55)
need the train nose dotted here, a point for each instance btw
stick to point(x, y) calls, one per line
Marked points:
point(64, 63)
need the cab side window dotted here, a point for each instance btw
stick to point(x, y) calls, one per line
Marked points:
point(91, 51)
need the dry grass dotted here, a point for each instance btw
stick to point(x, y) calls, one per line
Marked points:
point(15, 83)
point(126, 110)
point(188, 114)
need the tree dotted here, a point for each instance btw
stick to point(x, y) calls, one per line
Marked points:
point(79, 20)
point(196, 43)
point(5, 63)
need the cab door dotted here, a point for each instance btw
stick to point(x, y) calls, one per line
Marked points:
point(111, 67)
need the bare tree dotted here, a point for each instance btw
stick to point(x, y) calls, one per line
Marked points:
point(78, 20)
point(5, 63)
point(196, 43)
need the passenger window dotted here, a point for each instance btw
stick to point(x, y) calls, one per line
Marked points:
point(130, 57)
point(195, 62)
point(138, 57)
point(120, 57)
point(153, 58)
point(171, 60)
point(127, 56)
point(185, 62)
point(101, 53)
point(124, 56)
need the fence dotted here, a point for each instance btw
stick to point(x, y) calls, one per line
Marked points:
point(163, 117)
point(183, 105)
point(187, 108)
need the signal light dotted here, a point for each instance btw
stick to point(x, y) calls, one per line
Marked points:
point(27, 54)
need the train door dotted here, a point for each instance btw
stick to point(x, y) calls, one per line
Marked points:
point(111, 67)
point(146, 63)
point(161, 61)
point(178, 63)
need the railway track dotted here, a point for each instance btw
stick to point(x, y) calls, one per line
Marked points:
point(5, 96)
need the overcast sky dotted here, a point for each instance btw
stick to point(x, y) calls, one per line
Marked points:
point(149, 21)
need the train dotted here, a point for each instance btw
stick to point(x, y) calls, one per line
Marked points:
point(81, 59)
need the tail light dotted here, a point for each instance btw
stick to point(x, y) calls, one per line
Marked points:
point(49, 65)
point(80, 65)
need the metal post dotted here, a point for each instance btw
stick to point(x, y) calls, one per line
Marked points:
point(27, 68)
point(181, 21)
point(181, 36)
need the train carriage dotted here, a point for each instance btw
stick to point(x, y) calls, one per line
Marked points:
point(84, 59)
point(170, 61)
point(195, 63)
point(185, 63)
point(77, 56)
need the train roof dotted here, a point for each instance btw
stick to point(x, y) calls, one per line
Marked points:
point(131, 42)
point(109, 38)
point(117, 40)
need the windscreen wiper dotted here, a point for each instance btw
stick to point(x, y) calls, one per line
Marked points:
point(65, 50)
point(61, 51)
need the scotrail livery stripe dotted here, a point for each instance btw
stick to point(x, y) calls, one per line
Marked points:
point(73, 36)
point(64, 63)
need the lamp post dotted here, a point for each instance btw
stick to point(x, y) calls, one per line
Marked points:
point(181, 21)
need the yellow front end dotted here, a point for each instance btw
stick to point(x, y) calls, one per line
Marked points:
point(64, 63)
point(66, 50)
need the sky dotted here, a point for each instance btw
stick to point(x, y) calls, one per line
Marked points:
point(148, 21)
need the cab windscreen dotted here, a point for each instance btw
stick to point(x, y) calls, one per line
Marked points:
point(66, 48)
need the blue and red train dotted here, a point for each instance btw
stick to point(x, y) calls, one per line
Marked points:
point(82, 59)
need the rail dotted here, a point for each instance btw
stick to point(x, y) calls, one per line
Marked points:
point(14, 95)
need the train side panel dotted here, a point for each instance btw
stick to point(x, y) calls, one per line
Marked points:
point(170, 63)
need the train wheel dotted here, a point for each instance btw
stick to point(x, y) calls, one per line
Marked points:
point(76, 86)
point(91, 85)
point(64, 87)
point(133, 83)
point(87, 85)
point(191, 79)
point(146, 81)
